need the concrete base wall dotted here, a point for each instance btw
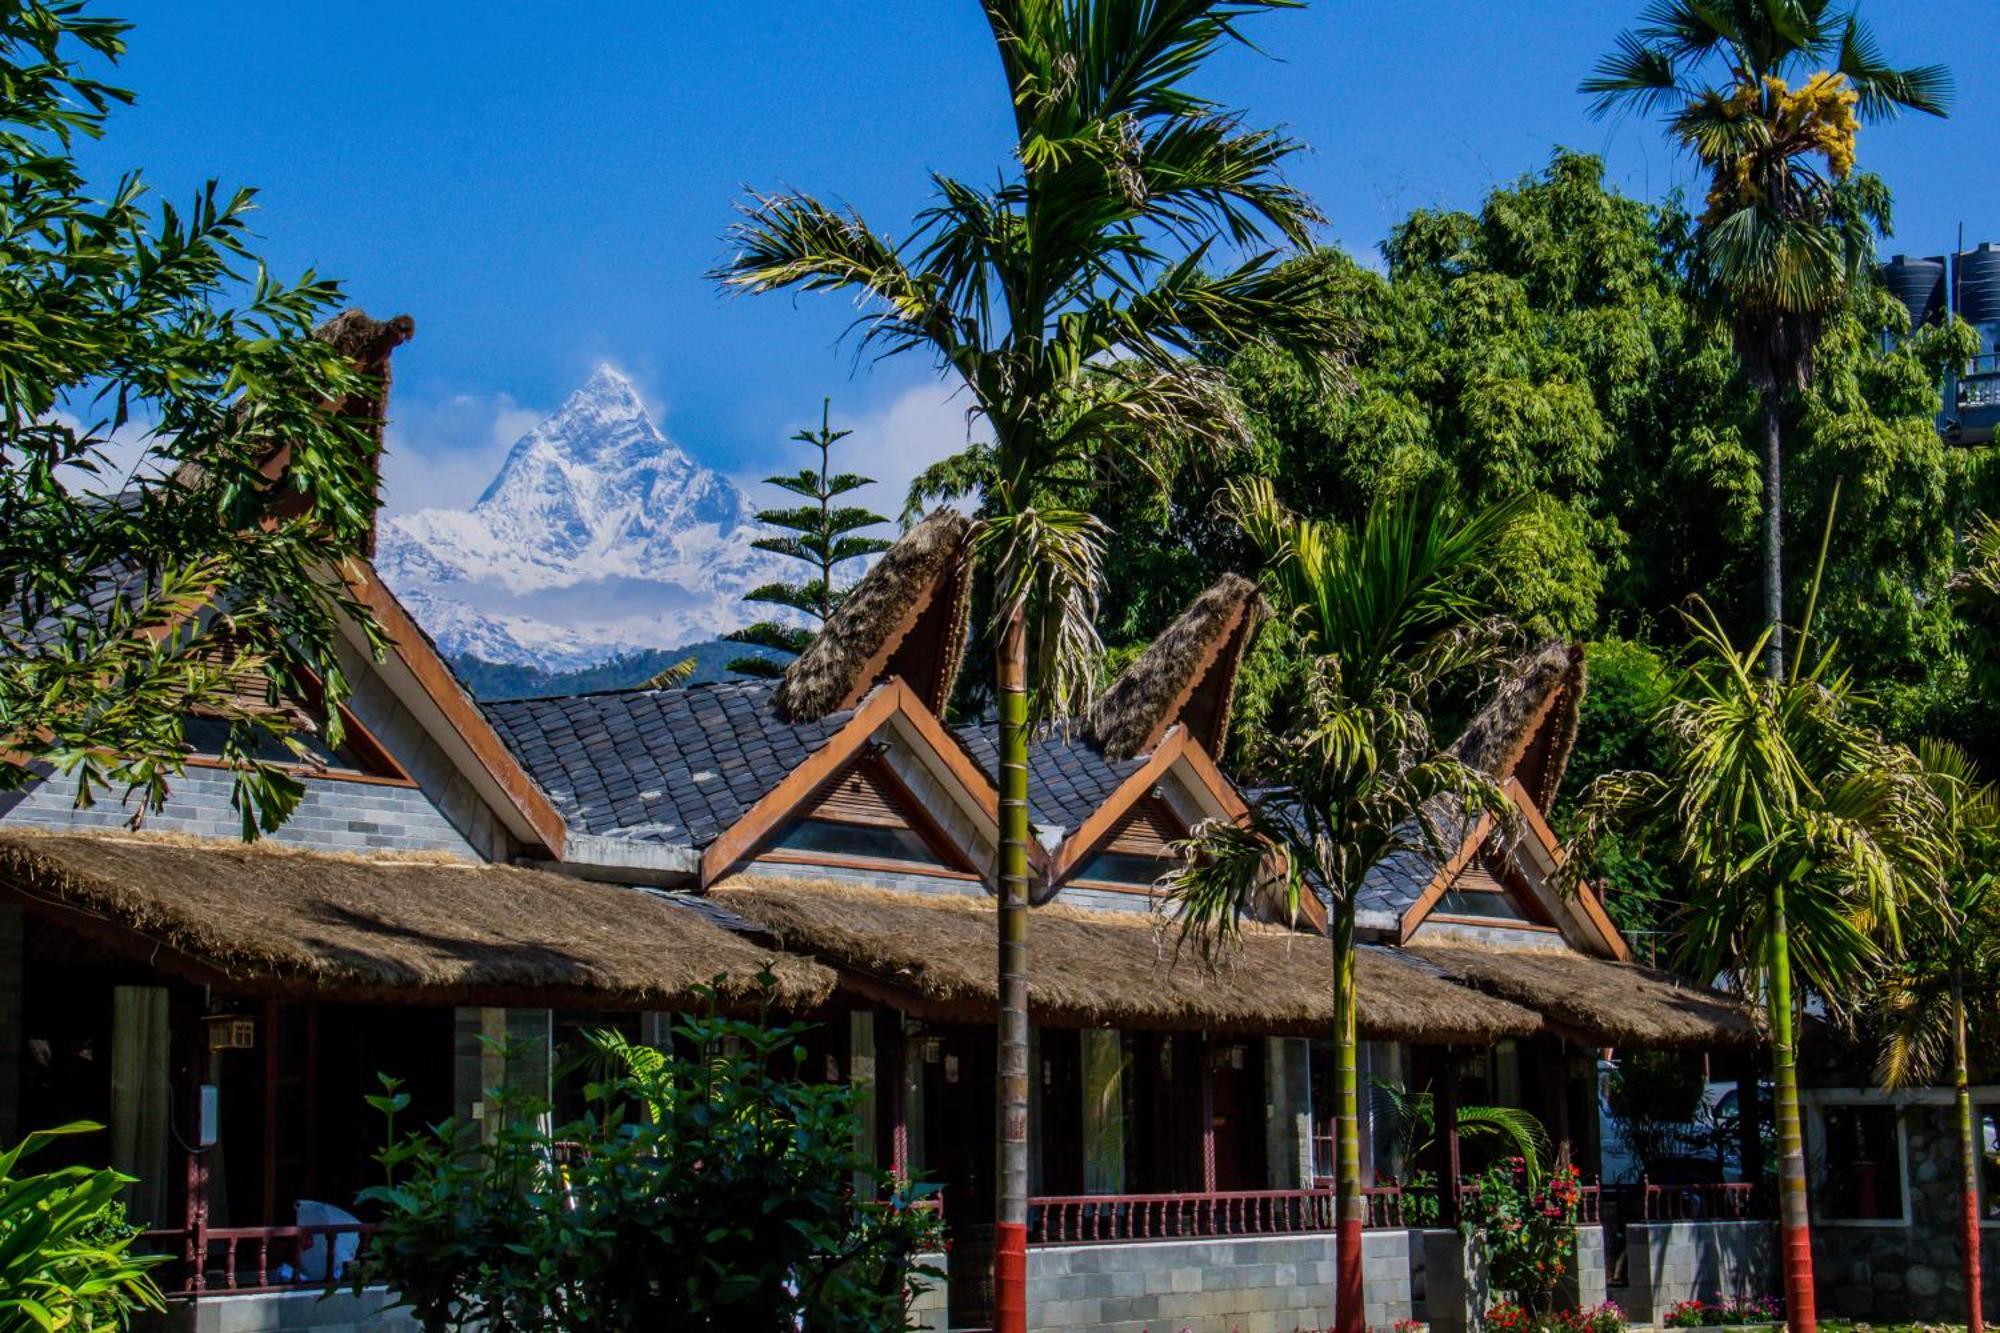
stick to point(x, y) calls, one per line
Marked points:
point(927, 1309)
point(280, 1312)
point(1273, 1284)
point(1669, 1262)
point(1457, 1292)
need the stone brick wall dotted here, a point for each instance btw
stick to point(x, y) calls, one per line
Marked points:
point(1914, 1271)
point(1669, 1262)
point(927, 1311)
point(1272, 1284)
point(280, 1312)
point(335, 816)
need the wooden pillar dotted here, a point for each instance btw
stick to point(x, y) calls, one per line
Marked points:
point(1749, 1120)
point(270, 1145)
point(890, 1062)
point(1447, 1118)
point(189, 1062)
point(1205, 1071)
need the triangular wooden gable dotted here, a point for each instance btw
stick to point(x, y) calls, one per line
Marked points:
point(863, 815)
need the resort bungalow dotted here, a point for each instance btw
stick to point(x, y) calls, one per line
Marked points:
point(535, 868)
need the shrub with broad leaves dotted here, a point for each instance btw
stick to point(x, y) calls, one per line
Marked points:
point(1527, 1217)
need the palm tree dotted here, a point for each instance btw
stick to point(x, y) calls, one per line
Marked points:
point(1952, 969)
point(1803, 836)
point(1780, 242)
point(1069, 297)
point(1386, 614)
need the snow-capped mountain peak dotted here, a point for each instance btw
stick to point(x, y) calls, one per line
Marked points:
point(594, 500)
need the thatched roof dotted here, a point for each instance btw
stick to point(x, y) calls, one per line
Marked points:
point(404, 927)
point(906, 615)
point(1100, 968)
point(1613, 1004)
point(1199, 653)
point(1529, 727)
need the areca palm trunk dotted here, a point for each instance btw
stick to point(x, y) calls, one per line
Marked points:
point(1968, 1153)
point(1010, 1253)
point(1794, 1226)
point(1349, 1299)
point(1774, 526)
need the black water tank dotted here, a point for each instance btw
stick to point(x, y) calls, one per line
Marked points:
point(1918, 284)
point(1978, 287)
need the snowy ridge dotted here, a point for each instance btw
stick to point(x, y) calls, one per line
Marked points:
point(597, 536)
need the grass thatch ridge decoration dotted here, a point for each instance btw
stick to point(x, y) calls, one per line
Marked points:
point(400, 926)
point(1497, 736)
point(1111, 969)
point(878, 607)
point(1132, 711)
point(1604, 1002)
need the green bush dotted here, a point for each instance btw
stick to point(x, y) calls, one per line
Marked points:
point(65, 1260)
point(1527, 1217)
point(709, 1188)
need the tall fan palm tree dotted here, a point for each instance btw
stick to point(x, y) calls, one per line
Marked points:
point(1803, 836)
point(1070, 297)
point(1951, 971)
point(1386, 614)
point(1779, 244)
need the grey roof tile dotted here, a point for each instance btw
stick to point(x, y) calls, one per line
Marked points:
point(676, 766)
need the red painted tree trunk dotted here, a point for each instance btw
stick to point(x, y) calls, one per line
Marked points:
point(1010, 1241)
point(1968, 1152)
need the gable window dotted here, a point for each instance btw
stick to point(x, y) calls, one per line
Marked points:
point(359, 756)
point(865, 814)
point(1138, 852)
point(1480, 895)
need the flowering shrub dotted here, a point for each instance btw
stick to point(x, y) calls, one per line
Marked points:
point(1409, 1326)
point(1528, 1220)
point(1724, 1314)
point(1508, 1317)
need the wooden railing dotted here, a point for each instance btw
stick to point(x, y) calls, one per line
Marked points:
point(253, 1259)
point(1703, 1203)
point(1094, 1218)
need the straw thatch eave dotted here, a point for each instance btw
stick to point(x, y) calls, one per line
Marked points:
point(1606, 1003)
point(911, 604)
point(429, 928)
point(1202, 649)
point(1110, 969)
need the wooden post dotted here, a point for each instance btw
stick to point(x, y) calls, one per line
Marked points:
point(270, 1025)
point(1447, 1118)
point(1204, 1070)
point(188, 1059)
point(890, 1058)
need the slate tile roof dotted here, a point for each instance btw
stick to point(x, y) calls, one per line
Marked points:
point(1068, 776)
point(674, 766)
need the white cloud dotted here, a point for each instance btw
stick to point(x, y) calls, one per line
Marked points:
point(891, 443)
point(441, 454)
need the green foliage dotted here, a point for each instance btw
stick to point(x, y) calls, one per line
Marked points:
point(711, 1187)
point(1526, 1217)
point(1652, 1097)
point(65, 1247)
point(1411, 1122)
point(823, 535)
point(115, 330)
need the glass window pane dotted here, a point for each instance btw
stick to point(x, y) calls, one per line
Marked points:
point(1861, 1166)
point(1487, 906)
point(873, 841)
point(1125, 868)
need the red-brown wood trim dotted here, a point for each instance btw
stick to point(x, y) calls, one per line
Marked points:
point(1490, 923)
point(1586, 894)
point(1414, 915)
point(972, 779)
point(786, 856)
point(1171, 715)
point(443, 690)
point(797, 786)
point(319, 774)
point(1104, 819)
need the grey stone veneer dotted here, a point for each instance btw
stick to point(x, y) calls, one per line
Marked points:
point(280, 1312)
point(1915, 1271)
point(1271, 1284)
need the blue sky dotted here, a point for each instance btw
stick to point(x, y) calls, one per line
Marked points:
point(544, 186)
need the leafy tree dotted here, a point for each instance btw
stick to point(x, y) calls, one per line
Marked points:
point(824, 537)
point(711, 1187)
point(65, 1248)
point(1383, 615)
point(1950, 973)
point(1782, 240)
point(138, 592)
point(1803, 835)
point(1068, 296)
